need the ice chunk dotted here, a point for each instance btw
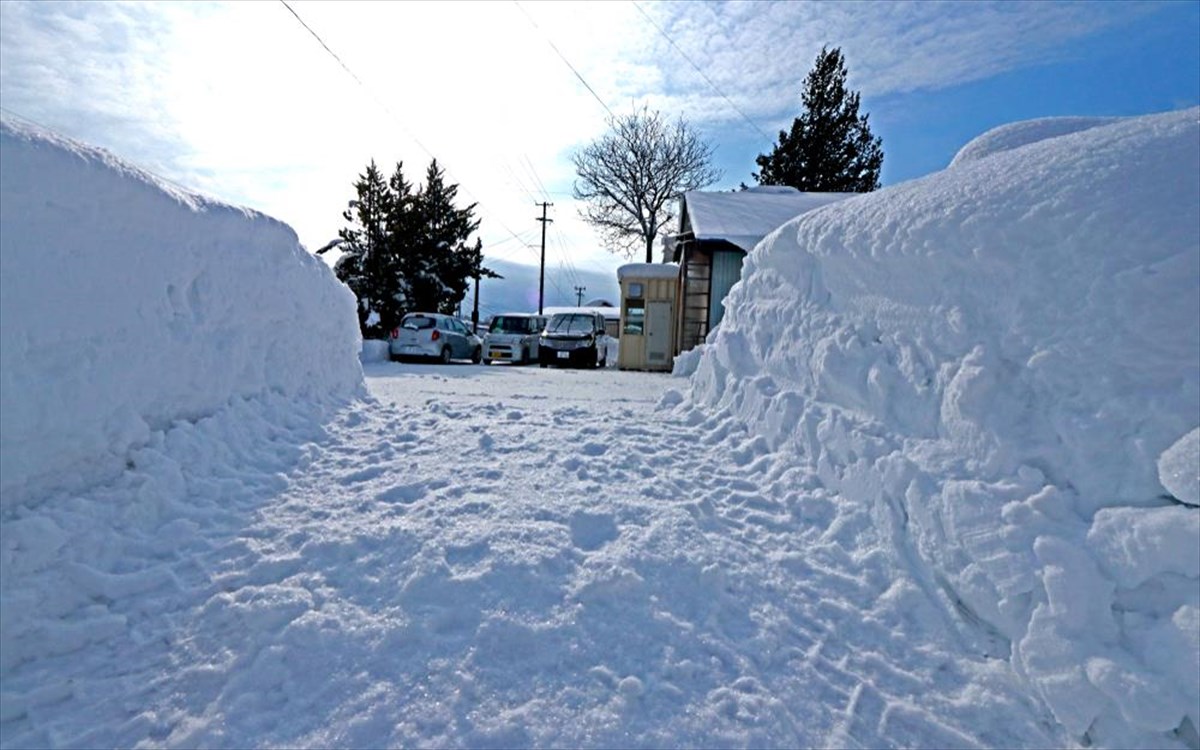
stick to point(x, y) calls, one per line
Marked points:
point(1179, 468)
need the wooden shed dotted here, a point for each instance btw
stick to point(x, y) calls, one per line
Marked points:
point(716, 230)
point(648, 292)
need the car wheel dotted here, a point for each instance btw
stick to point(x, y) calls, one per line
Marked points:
point(487, 361)
point(445, 358)
point(524, 357)
point(477, 355)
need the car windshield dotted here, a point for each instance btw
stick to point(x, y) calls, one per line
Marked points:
point(418, 322)
point(511, 324)
point(569, 323)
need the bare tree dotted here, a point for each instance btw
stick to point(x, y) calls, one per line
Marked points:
point(630, 177)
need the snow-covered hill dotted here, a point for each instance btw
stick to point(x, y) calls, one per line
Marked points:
point(932, 483)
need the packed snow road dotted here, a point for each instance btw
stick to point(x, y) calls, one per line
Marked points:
point(495, 556)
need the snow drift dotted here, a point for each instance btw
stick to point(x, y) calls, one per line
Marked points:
point(1017, 134)
point(1003, 360)
point(129, 304)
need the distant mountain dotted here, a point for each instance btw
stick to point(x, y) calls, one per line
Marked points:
point(518, 290)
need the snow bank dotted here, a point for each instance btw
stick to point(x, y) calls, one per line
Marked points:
point(373, 350)
point(129, 304)
point(1017, 134)
point(999, 359)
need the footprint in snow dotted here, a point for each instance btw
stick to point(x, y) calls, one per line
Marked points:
point(465, 557)
point(405, 494)
point(592, 531)
point(362, 475)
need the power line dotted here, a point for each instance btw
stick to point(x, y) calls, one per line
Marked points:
point(701, 72)
point(572, 271)
point(388, 110)
point(567, 62)
point(536, 179)
point(518, 182)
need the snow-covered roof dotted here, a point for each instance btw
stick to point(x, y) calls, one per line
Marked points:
point(648, 271)
point(744, 217)
point(613, 313)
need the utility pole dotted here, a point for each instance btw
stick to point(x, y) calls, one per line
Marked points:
point(579, 290)
point(542, 274)
point(488, 274)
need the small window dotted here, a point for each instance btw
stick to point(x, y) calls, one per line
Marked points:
point(635, 290)
point(635, 316)
point(418, 322)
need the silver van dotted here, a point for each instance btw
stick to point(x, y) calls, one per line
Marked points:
point(513, 337)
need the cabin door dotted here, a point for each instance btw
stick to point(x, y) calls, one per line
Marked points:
point(658, 333)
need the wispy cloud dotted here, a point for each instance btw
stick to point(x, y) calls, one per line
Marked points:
point(758, 53)
point(238, 99)
point(79, 62)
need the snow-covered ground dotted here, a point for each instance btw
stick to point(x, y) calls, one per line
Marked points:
point(931, 484)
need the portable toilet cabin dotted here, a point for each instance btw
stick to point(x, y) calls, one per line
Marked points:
point(647, 315)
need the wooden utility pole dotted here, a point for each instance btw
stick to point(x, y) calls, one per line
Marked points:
point(542, 273)
point(486, 273)
point(579, 290)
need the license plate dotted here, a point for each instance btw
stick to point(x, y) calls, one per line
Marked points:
point(564, 355)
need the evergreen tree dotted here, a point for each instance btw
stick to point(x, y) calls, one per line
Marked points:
point(443, 263)
point(402, 225)
point(830, 147)
point(365, 260)
point(407, 251)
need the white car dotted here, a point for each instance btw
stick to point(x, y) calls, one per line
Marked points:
point(436, 336)
point(513, 337)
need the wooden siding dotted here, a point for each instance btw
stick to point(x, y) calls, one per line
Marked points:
point(631, 354)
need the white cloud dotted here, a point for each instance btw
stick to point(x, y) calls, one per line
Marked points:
point(758, 53)
point(238, 99)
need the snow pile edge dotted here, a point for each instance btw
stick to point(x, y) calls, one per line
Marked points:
point(129, 304)
point(997, 358)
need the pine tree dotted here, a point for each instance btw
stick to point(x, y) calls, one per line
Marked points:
point(830, 147)
point(407, 251)
point(442, 264)
point(402, 225)
point(365, 257)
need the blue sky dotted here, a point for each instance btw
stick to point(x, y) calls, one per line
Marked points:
point(239, 100)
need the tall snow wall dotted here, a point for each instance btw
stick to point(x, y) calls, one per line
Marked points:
point(1003, 358)
point(128, 304)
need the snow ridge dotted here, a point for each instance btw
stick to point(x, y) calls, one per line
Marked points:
point(129, 303)
point(994, 358)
